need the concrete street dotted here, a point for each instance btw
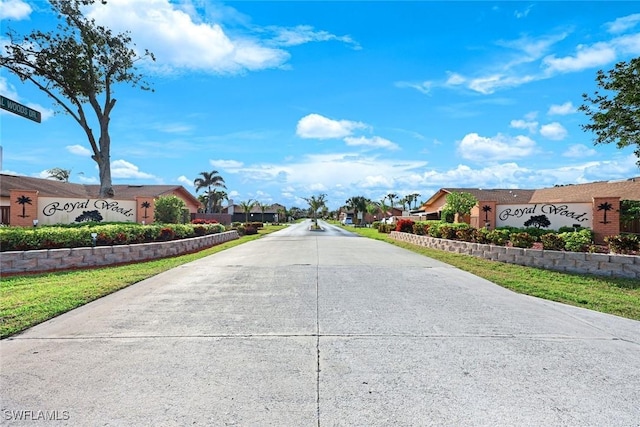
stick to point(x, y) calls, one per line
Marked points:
point(305, 328)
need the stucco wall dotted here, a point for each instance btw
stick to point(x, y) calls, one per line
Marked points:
point(14, 262)
point(627, 266)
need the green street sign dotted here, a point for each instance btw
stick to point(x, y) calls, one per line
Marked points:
point(19, 109)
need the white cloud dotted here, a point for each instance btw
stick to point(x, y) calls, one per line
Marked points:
point(586, 57)
point(225, 164)
point(562, 110)
point(124, 169)
point(376, 142)
point(523, 13)
point(320, 127)
point(79, 150)
point(302, 34)
point(489, 84)
point(622, 24)
point(14, 9)
point(532, 127)
point(579, 151)
point(185, 181)
point(455, 79)
point(180, 43)
point(501, 147)
point(553, 131)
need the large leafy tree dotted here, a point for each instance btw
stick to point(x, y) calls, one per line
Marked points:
point(615, 113)
point(460, 203)
point(77, 66)
point(210, 181)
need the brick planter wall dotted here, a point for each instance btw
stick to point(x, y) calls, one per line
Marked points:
point(15, 262)
point(627, 266)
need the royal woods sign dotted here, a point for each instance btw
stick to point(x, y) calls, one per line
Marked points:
point(53, 210)
point(548, 215)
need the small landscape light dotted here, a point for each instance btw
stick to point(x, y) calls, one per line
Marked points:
point(35, 222)
point(94, 238)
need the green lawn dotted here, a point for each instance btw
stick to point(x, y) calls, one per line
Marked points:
point(620, 297)
point(28, 300)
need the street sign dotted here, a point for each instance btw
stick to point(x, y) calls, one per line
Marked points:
point(19, 109)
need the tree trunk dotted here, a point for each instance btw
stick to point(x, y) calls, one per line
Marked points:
point(104, 160)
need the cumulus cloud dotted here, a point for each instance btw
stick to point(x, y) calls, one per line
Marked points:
point(375, 141)
point(124, 169)
point(180, 43)
point(498, 148)
point(185, 181)
point(579, 151)
point(623, 24)
point(562, 110)
point(553, 131)
point(586, 57)
point(320, 127)
point(79, 150)
point(14, 9)
point(523, 124)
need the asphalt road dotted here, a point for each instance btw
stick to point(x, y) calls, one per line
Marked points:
point(305, 328)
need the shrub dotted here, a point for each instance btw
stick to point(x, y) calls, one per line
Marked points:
point(482, 235)
point(447, 232)
point(249, 230)
point(552, 242)
point(385, 228)
point(420, 228)
point(577, 241)
point(204, 221)
point(405, 226)
point(169, 209)
point(498, 236)
point(467, 234)
point(623, 243)
point(522, 240)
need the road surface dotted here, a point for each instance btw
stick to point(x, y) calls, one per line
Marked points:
point(307, 328)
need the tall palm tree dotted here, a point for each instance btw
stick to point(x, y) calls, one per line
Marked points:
point(391, 197)
point(358, 204)
point(383, 207)
point(282, 214)
point(406, 201)
point(315, 204)
point(218, 197)
point(209, 180)
point(263, 209)
point(246, 207)
point(414, 197)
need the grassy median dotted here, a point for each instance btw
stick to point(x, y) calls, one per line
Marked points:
point(28, 300)
point(620, 297)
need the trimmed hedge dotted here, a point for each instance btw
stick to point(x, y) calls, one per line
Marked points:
point(53, 237)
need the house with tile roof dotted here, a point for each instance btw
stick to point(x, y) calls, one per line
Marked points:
point(594, 205)
point(26, 201)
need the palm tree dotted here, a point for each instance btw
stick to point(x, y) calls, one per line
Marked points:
point(415, 196)
point(246, 207)
point(406, 200)
point(59, 174)
point(282, 213)
point(263, 208)
point(209, 180)
point(316, 203)
point(383, 207)
point(358, 204)
point(218, 197)
point(606, 207)
point(24, 200)
point(391, 197)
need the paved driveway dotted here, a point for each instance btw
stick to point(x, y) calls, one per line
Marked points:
point(326, 328)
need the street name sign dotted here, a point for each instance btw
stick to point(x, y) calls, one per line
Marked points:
point(19, 109)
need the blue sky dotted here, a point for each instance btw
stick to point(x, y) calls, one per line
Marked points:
point(289, 99)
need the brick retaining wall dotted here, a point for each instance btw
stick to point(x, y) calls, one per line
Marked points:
point(13, 262)
point(627, 266)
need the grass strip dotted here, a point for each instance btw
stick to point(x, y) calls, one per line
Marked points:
point(617, 296)
point(28, 300)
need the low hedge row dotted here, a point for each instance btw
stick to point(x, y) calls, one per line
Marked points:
point(569, 239)
point(52, 237)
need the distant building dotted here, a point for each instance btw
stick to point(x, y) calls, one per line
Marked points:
point(24, 200)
